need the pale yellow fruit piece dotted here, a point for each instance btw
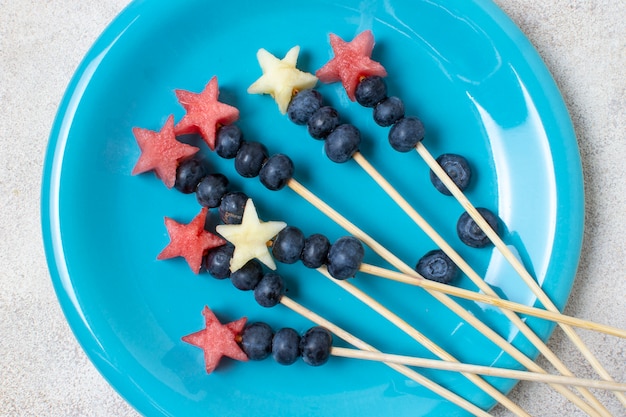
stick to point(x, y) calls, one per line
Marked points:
point(250, 238)
point(281, 77)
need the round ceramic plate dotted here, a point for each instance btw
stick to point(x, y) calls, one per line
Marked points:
point(461, 66)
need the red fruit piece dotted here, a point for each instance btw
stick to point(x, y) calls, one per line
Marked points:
point(190, 241)
point(161, 152)
point(204, 113)
point(351, 62)
point(218, 340)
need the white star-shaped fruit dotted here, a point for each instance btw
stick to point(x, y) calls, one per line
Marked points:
point(281, 77)
point(250, 238)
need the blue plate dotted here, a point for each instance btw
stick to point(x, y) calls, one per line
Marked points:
point(462, 66)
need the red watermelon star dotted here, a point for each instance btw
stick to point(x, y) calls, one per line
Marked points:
point(204, 113)
point(191, 241)
point(161, 152)
point(218, 340)
point(351, 62)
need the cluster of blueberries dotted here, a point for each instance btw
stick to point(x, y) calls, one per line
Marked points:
point(258, 341)
point(342, 258)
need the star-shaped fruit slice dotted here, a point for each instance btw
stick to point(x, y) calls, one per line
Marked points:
point(191, 241)
point(351, 62)
point(250, 238)
point(161, 152)
point(218, 340)
point(281, 78)
point(204, 113)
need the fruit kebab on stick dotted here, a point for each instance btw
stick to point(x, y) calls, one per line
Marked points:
point(341, 143)
point(192, 242)
point(171, 161)
point(204, 115)
point(406, 133)
point(244, 341)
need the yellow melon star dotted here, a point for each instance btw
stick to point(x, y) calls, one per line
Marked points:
point(250, 238)
point(281, 77)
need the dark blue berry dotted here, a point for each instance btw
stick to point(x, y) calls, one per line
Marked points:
point(303, 105)
point(211, 189)
point(232, 206)
point(342, 143)
point(388, 111)
point(248, 276)
point(256, 341)
point(315, 251)
point(188, 175)
point(217, 261)
point(437, 266)
point(345, 257)
point(269, 290)
point(470, 233)
point(276, 172)
point(406, 133)
point(322, 122)
point(286, 346)
point(228, 140)
point(458, 170)
point(370, 91)
point(250, 158)
point(315, 346)
point(288, 245)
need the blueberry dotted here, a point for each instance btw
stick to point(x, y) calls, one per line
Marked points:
point(458, 170)
point(256, 340)
point(315, 346)
point(315, 251)
point(228, 140)
point(437, 266)
point(388, 111)
point(211, 189)
point(288, 245)
point(303, 105)
point(322, 122)
point(269, 290)
point(345, 257)
point(250, 159)
point(276, 172)
point(342, 143)
point(248, 276)
point(286, 346)
point(470, 233)
point(370, 91)
point(217, 261)
point(232, 206)
point(406, 133)
point(188, 175)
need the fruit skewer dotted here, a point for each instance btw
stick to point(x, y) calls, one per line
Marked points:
point(374, 93)
point(256, 341)
point(249, 238)
point(230, 150)
point(218, 152)
point(341, 144)
point(385, 312)
point(269, 288)
point(227, 345)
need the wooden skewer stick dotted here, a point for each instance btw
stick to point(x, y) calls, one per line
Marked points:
point(478, 369)
point(403, 369)
point(424, 341)
point(472, 275)
point(514, 262)
point(443, 298)
point(494, 301)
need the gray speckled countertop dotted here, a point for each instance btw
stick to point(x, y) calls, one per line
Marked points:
point(43, 371)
